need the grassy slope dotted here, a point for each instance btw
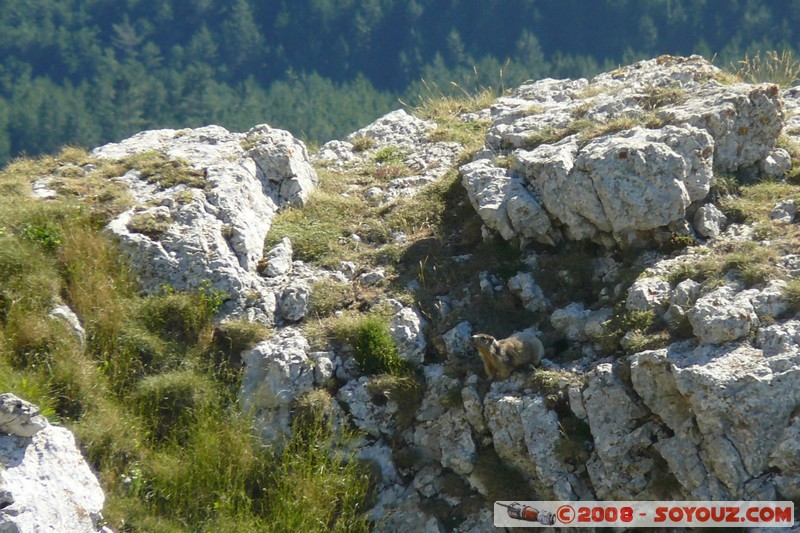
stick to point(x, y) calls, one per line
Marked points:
point(151, 396)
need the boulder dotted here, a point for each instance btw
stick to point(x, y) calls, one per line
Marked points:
point(19, 418)
point(709, 221)
point(44, 480)
point(215, 224)
point(278, 260)
point(457, 343)
point(525, 288)
point(407, 328)
point(720, 403)
point(648, 294)
point(721, 316)
point(276, 371)
point(295, 301)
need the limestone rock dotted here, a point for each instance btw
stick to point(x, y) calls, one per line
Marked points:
point(709, 221)
point(214, 233)
point(525, 288)
point(407, 328)
point(279, 259)
point(45, 484)
point(784, 211)
point(397, 128)
point(619, 465)
point(525, 435)
point(324, 367)
point(720, 402)
point(776, 164)
point(720, 316)
point(648, 294)
point(744, 121)
point(295, 301)
point(283, 160)
point(570, 320)
point(68, 316)
point(19, 418)
point(276, 371)
point(374, 418)
point(578, 179)
point(503, 202)
point(457, 342)
point(444, 434)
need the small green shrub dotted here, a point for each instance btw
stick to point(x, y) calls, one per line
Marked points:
point(182, 316)
point(374, 348)
point(791, 293)
point(47, 234)
point(389, 154)
point(170, 403)
point(362, 143)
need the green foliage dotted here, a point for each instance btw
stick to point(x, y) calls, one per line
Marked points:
point(170, 403)
point(362, 143)
point(791, 293)
point(373, 347)
point(151, 224)
point(156, 167)
point(328, 296)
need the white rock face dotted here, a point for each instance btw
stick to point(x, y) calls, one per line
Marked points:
point(776, 164)
point(730, 408)
point(525, 288)
point(721, 316)
point(457, 340)
point(68, 316)
point(295, 301)
point(618, 188)
point(407, 328)
point(444, 433)
point(709, 221)
point(276, 372)
point(648, 294)
point(618, 465)
point(214, 233)
point(503, 202)
point(525, 434)
point(279, 259)
point(45, 484)
point(368, 416)
point(19, 418)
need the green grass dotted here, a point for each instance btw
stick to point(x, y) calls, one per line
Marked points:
point(373, 347)
point(781, 68)
point(151, 396)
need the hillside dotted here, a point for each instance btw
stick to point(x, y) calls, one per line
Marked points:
point(244, 336)
point(91, 72)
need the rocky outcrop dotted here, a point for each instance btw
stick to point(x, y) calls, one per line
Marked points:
point(203, 211)
point(616, 158)
point(44, 480)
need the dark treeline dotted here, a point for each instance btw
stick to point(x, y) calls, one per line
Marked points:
point(91, 71)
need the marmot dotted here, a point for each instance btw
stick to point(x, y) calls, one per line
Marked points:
point(500, 357)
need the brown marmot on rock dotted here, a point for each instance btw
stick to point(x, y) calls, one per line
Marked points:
point(502, 356)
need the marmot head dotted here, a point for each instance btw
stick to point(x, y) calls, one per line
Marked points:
point(482, 340)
